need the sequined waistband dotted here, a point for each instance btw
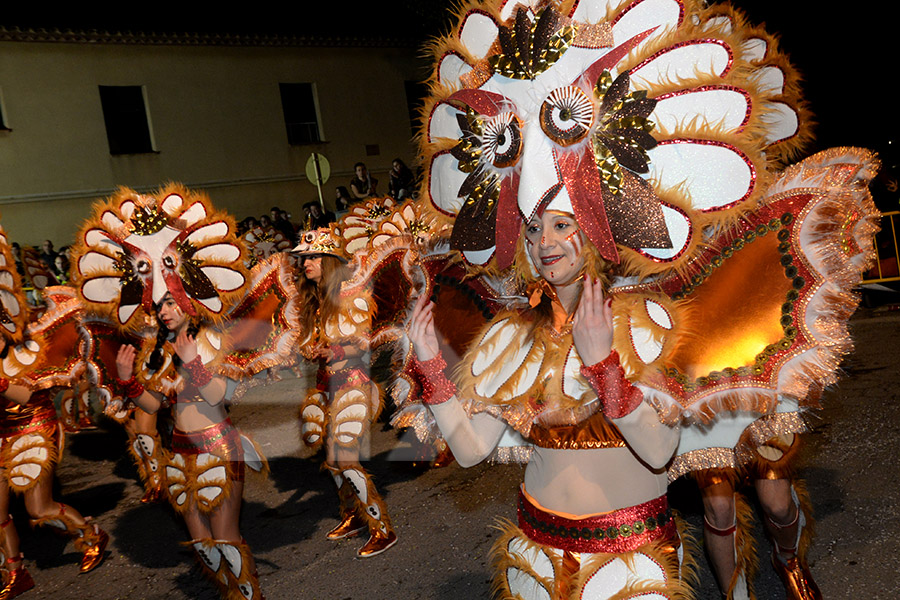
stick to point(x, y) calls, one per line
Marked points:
point(220, 436)
point(621, 530)
point(327, 379)
point(42, 418)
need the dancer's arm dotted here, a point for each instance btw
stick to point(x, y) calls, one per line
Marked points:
point(147, 401)
point(211, 388)
point(623, 405)
point(472, 439)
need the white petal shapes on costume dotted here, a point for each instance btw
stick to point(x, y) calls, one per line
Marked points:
point(782, 122)
point(658, 314)
point(647, 348)
point(10, 303)
point(212, 231)
point(196, 212)
point(526, 583)
point(716, 174)
point(647, 14)
point(722, 107)
point(451, 67)
point(593, 11)
point(495, 340)
point(574, 385)
point(443, 123)
point(172, 203)
point(616, 574)
point(754, 49)
point(769, 80)
point(478, 33)
point(710, 57)
point(111, 221)
point(445, 182)
point(219, 252)
point(101, 289)
point(95, 261)
point(224, 278)
point(479, 257)
point(488, 386)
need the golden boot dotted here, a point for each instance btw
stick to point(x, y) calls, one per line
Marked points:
point(352, 522)
point(381, 533)
point(87, 537)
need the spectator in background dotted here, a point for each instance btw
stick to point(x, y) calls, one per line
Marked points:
point(17, 256)
point(401, 183)
point(281, 224)
point(363, 185)
point(265, 222)
point(342, 199)
point(61, 269)
point(48, 255)
point(316, 217)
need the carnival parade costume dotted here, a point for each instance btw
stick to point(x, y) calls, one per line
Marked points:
point(39, 358)
point(139, 250)
point(339, 411)
point(664, 128)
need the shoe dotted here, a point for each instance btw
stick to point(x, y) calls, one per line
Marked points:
point(378, 543)
point(351, 524)
point(797, 579)
point(19, 581)
point(154, 495)
point(94, 554)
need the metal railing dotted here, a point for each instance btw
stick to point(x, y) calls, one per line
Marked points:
point(887, 252)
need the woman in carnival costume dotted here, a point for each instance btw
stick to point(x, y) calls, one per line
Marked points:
point(37, 359)
point(169, 266)
point(340, 410)
point(637, 143)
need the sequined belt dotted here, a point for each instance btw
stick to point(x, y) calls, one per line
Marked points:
point(43, 418)
point(621, 530)
point(221, 436)
point(326, 379)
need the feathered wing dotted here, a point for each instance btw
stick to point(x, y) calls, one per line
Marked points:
point(13, 307)
point(263, 328)
point(766, 309)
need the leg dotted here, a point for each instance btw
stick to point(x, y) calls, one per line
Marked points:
point(15, 577)
point(241, 572)
point(368, 503)
point(788, 515)
point(145, 447)
point(88, 538)
point(726, 532)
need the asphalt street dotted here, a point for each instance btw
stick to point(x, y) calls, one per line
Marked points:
point(445, 518)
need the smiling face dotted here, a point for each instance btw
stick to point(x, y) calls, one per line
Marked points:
point(170, 314)
point(312, 267)
point(554, 242)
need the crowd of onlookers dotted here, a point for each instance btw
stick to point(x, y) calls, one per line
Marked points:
point(401, 185)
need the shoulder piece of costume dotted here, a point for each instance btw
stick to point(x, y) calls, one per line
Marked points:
point(51, 353)
point(100, 347)
point(167, 380)
point(136, 247)
point(264, 327)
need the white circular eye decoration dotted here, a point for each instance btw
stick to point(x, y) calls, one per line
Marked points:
point(501, 141)
point(168, 262)
point(567, 115)
point(310, 237)
point(142, 266)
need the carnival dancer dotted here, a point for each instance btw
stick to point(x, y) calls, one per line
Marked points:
point(30, 431)
point(338, 413)
point(168, 264)
point(654, 130)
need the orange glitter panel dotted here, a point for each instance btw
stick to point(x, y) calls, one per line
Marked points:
point(737, 315)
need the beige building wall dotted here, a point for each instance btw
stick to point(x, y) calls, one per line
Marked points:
point(216, 121)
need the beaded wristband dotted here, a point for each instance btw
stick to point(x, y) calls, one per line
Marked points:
point(132, 387)
point(436, 388)
point(337, 353)
point(4, 385)
point(199, 374)
point(616, 394)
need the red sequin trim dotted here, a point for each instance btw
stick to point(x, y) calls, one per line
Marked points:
point(616, 394)
point(436, 388)
point(199, 374)
point(622, 530)
point(131, 388)
point(337, 353)
point(4, 385)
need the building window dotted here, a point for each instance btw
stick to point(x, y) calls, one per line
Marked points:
point(127, 120)
point(301, 113)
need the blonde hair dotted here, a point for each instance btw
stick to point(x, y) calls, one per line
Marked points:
point(320, 300)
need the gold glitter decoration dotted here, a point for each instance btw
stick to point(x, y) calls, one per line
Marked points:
point(378, 211)
point(477, 77)
point(622, 137)
point(123, 265)
point(594, 35)
point(528, 48)
point(418, 227)
point(146, 221)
